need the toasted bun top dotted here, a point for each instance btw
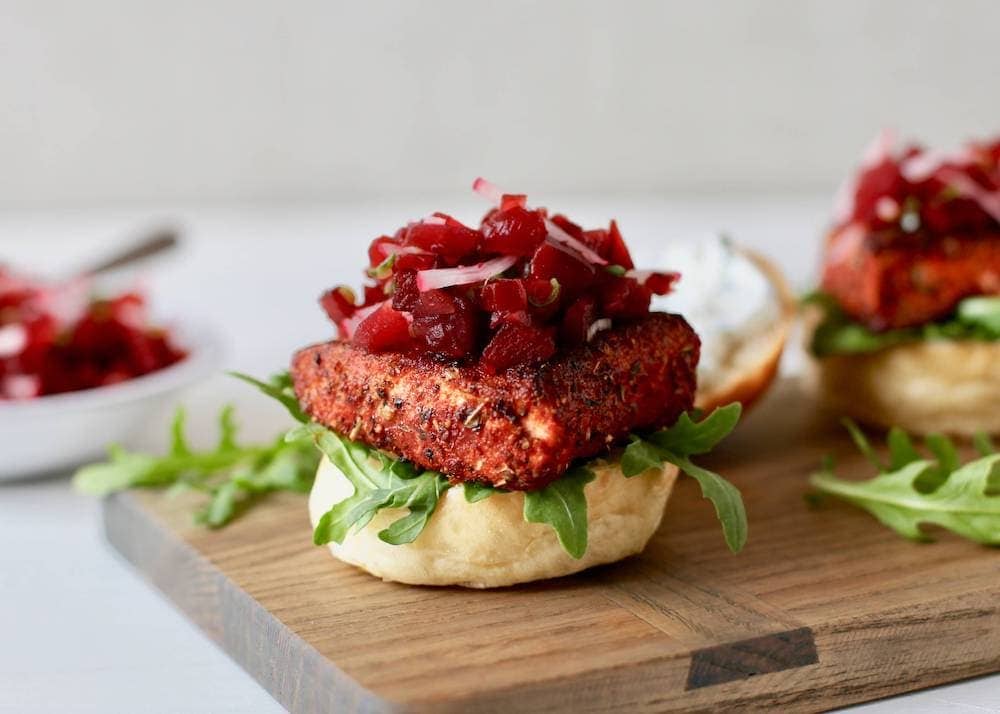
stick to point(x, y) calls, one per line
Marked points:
point(750, 362)
point(488, 544)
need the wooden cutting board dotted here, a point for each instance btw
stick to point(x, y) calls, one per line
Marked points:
point(824, 607)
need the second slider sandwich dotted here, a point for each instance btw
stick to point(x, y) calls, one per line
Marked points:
point(910, 330)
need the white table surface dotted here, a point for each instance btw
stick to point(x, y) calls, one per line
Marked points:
point(79, 630)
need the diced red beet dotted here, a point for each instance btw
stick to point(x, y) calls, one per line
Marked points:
point(617, 251)
point(560, 284)
point(380, 249)
point(452, 241)
point(514, 231)
point(374, 294)
point(405, 294)
point(509, 200)
point(661, 283)
point(541, 292)
point(338, 304)
point(433, 303)
point(596, 240)
point(445, 325)
point(567, 225)
point(577, 320)
point(556, 261)
point(500, 318)
point(415, 262)
point(624, 298)
point(385, 329)
point(517, 344)
point(507, 295)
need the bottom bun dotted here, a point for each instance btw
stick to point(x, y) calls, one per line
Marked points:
point(922, 387)
point(488, 544)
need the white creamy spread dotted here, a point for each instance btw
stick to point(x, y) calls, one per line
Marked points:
point(723, 294)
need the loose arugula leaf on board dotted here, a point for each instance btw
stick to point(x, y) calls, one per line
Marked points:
point(686, 438)
point(915, 491)
point(563, 505)
point(861, 441)
point(984, 445)
point(901, 449)
point(380, 482)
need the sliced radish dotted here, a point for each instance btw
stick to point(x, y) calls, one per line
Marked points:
point(988, 200)
point(351, 325)
point(487, 190)
point(20, 386)
point(464, 274)
point(598, 326)
point(880, 149)
point(13, 340)
point(411, 249)
point(560, 236)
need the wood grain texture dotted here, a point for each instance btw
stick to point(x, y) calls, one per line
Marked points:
point(823, 608)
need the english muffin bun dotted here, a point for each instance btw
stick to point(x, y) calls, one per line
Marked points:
point(950, 387)
point(488, 544)
point(742, 309)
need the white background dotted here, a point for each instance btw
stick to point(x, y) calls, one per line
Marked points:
point(283, 136)
point(197, 100)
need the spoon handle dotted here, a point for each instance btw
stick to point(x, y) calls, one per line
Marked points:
point(158, 241)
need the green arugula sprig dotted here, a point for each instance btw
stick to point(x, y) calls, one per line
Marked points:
point(688, 438)
point(380, 482)
point(911, 489)
point(976, 318)
point(230, 475)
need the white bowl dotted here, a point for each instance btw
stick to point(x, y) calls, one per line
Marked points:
point(60, 431)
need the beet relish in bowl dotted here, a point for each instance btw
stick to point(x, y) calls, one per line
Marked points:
point(57, 338)
point(516, 290)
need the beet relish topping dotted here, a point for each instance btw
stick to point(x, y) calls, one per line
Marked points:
point(916, 232)
point(513, 291)
point(915, 190)
point(55, 338)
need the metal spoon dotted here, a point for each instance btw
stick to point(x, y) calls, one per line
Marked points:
point(157, 241)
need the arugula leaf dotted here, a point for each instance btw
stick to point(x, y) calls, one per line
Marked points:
point(640, 456)
point(983, 311)
point(686, 438)
point(901, 449)
point(689, 438)
point(476, 492)
point(230, 475)
point(278, 387)
point(379, 482)
point(563, 505)
point(975, 318)
point(984, 445)
point(914, 490)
